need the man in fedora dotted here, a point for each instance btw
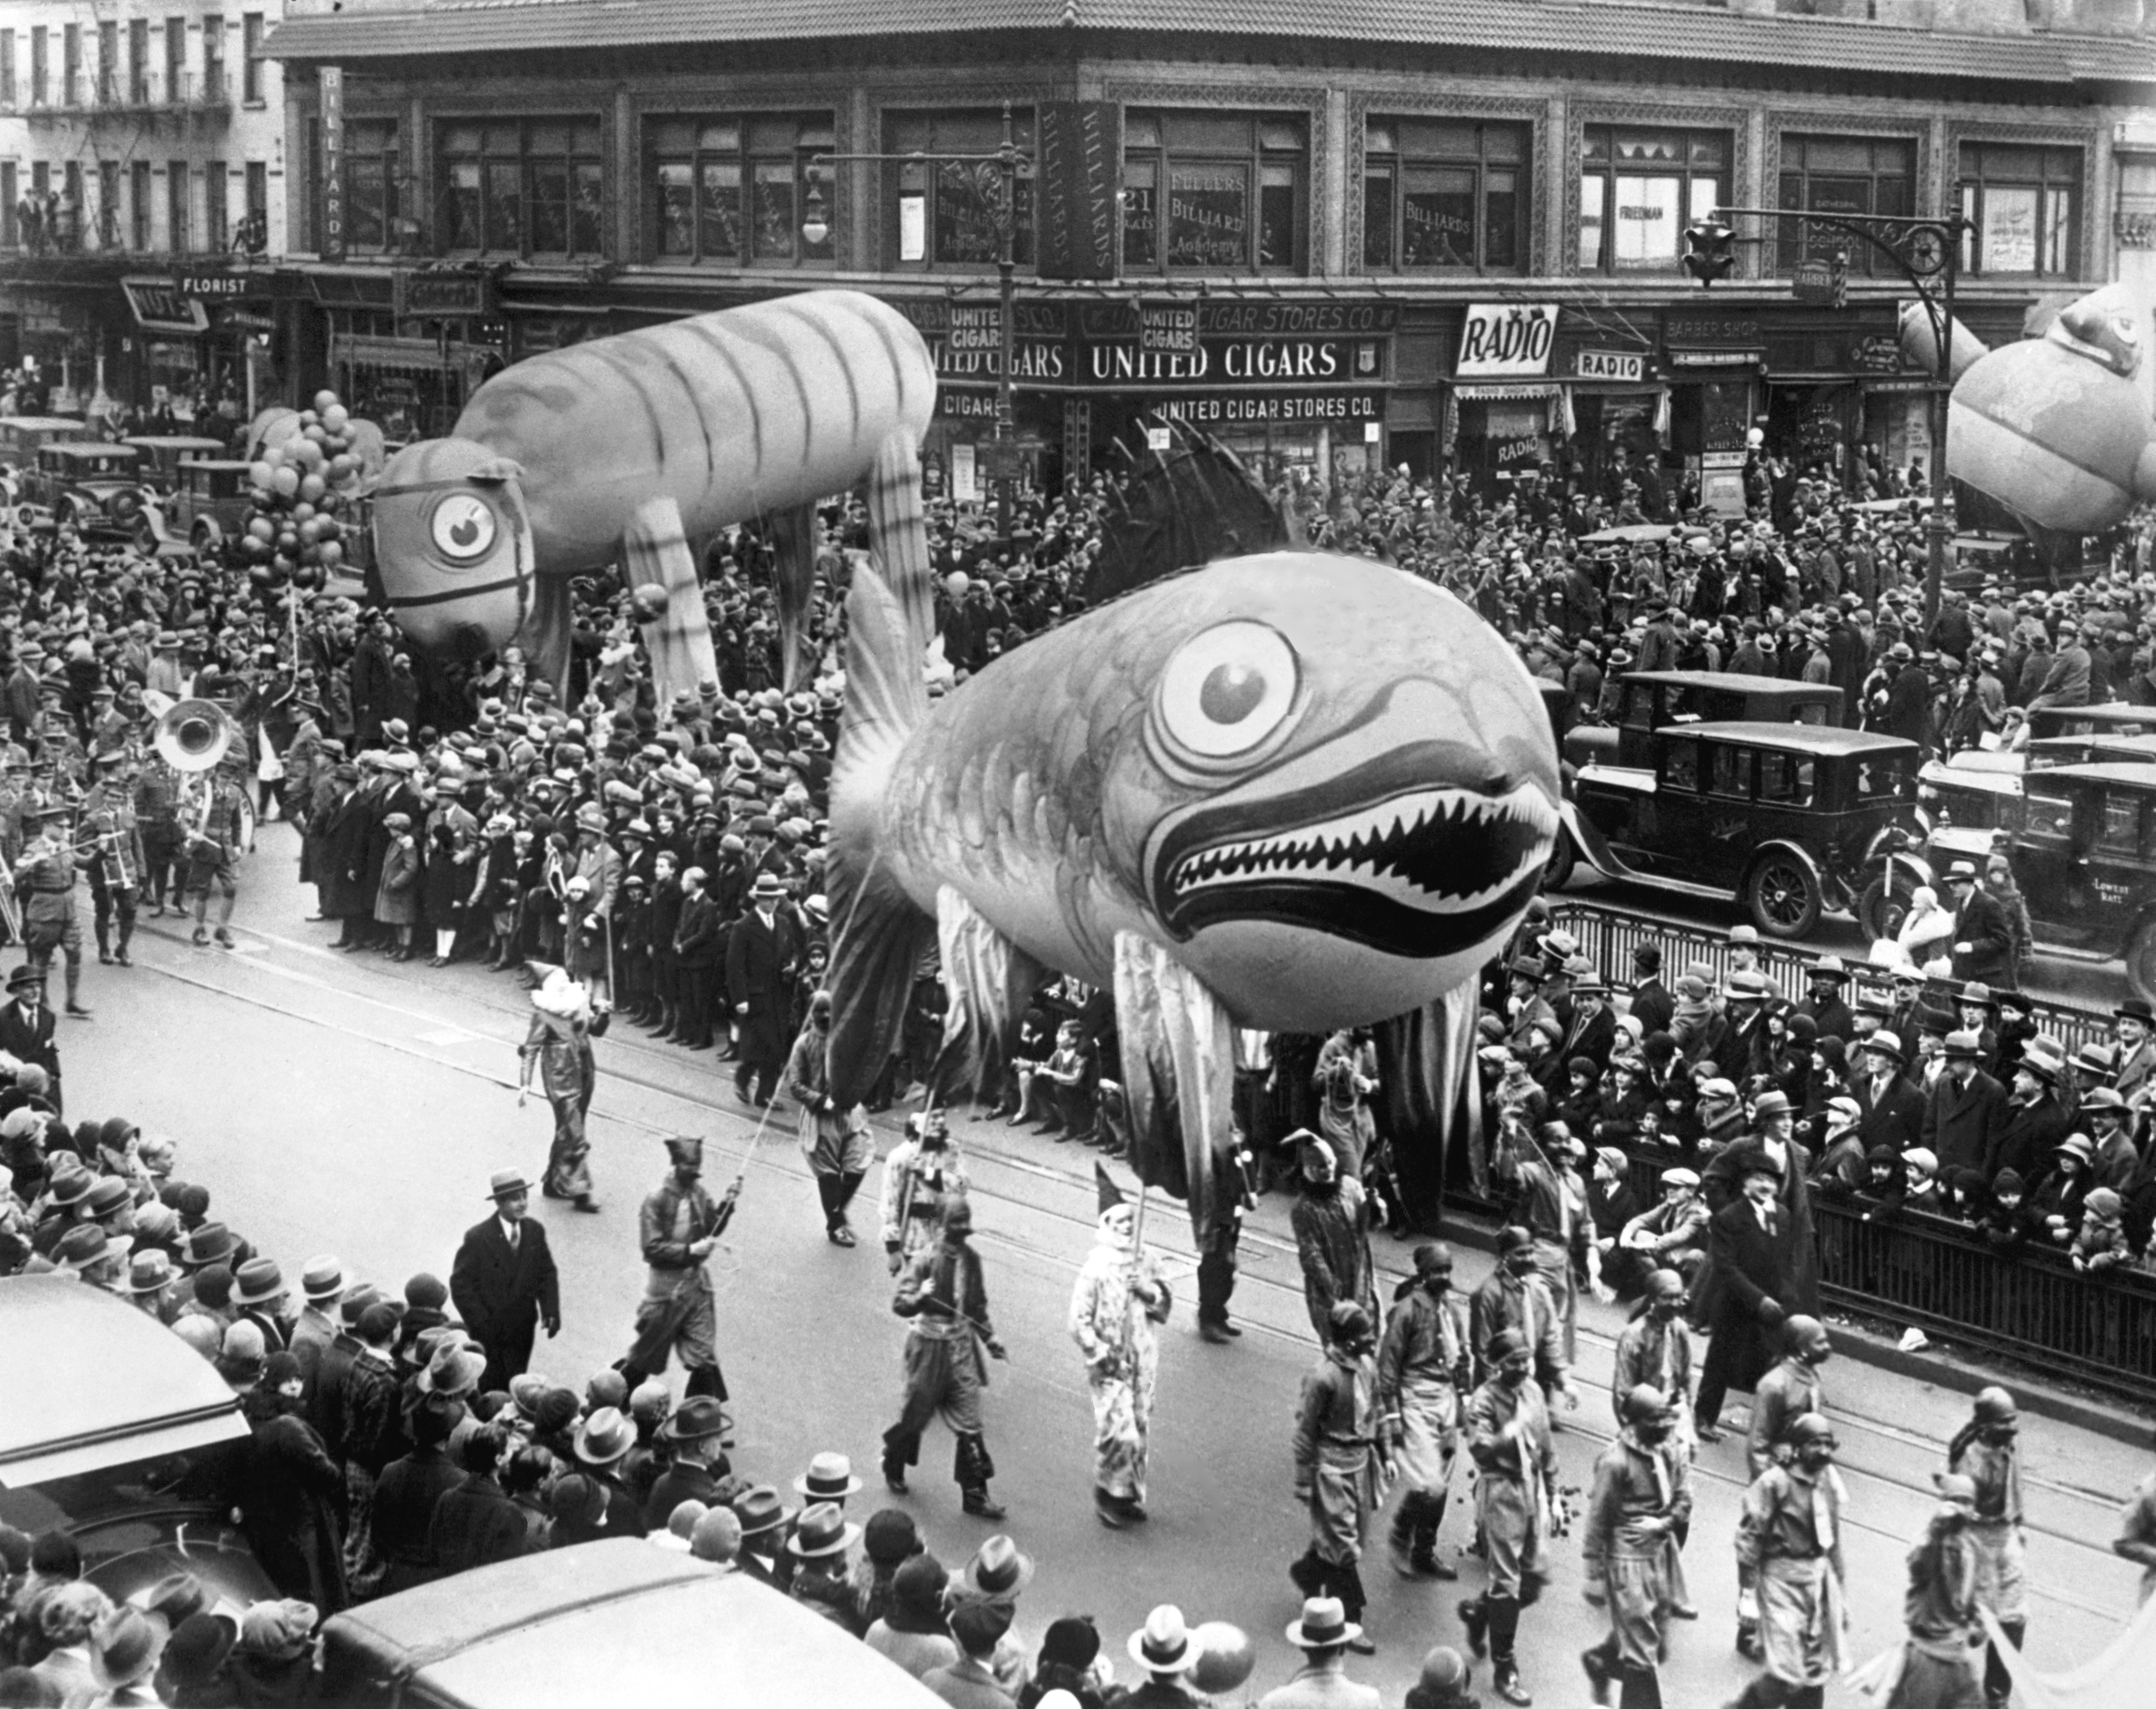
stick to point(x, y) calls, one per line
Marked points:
point(1893, 1109)
point(603, 1441)
point(504, 1283)
point(587, 922)
point(763, 1522)
point(1165, 1650)
point(322, 1285)
point(1824, 1001)
point(1753, 1282)
point(2109, 1122)
point(1984, 937)
point(678, 1225)
point(695, 1434)
point(259, 1292)
point(26, 1026)
point(763, 952)
point(2135, 1023)
point(821, 1540)
point(1962, 1107)
point(2037, 1122)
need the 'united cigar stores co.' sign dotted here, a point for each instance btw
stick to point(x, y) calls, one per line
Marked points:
point(1195, 344)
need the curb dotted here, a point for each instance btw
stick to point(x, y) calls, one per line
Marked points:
point(1941, 1365)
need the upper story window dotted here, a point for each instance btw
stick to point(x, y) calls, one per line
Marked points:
point(371, 184)
point(945, 213)
point(1638, 191)
point(1848, 176)
point(1215, 192)
point(532, 186)
point(734, 187)
point(2025, 203)
point(1444, 193)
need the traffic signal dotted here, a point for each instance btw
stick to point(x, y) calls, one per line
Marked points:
point(1710, 250)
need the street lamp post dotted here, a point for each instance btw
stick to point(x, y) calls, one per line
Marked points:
point(1927, 251)
point(995, 181)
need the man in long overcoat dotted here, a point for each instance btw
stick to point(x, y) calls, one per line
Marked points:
point(504, 1282)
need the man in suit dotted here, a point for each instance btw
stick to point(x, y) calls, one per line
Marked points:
point(1982, 939)
point(1652, 1003)
point(2135, 1022)
point(1893, 1109)
point(762, 955)
point(1751, 1285)
point(1964, 1107)
point(1592, 1031)
point(26, 1025)
point(696, 961)
point(1824, 1003)
point(504, 1283)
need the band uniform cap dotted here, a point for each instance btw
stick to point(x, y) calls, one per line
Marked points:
point(1163, 1644)
point(323, 1279)
point(821, 1530)
point(829, 1478)
point(259, 1280)
point(1324, 1625)
point(504, 1183)
point(999, 1567)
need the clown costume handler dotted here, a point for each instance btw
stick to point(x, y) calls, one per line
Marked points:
point(1118, 1298)
point(560, 1041)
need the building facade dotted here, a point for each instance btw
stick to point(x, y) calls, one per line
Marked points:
point(1446, 235)
point(137, 142)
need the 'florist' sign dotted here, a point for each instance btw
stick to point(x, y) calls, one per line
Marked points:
point(1506, 340)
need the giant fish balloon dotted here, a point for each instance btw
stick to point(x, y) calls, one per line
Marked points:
point(638, 449)
point(2054, 428)
point(1289, 791)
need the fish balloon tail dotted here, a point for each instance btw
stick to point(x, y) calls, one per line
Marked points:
point(879, 936)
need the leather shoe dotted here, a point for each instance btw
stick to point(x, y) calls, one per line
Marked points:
point(1214, 1333)
point(588, 1205)
point(1362, 1645)
point(982, 1507)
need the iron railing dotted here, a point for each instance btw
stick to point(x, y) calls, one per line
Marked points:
point(1607, 936)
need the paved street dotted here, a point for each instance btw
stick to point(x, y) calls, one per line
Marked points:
point(349, 1104)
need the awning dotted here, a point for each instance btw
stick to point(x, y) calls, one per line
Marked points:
point(1472, 390)
point(161, 306)
point(390, 355)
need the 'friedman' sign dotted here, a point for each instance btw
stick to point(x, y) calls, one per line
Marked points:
point(1506, 341)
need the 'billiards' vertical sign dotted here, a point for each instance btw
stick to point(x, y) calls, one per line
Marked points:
point(331, 243)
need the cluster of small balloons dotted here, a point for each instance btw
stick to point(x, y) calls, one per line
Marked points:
point(304, 486)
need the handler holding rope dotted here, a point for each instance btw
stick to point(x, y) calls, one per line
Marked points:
point(679, 1226)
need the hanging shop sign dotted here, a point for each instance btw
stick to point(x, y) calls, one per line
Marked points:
point(451, 294)
point(1168, 325)
point(332, 122)
point(161, 306)
point(1075, 172)
point(1625, 366)
point(1502, 340)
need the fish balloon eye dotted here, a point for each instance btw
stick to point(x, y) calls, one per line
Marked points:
point(463, 526)
point(1226, 690)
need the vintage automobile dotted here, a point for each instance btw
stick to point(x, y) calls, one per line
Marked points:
point(2114, 717)
point(163, 453)
point(1977, 790)
point(1648, 700)
point(622, 1621)
point(2085, 859)
point(91, 485)
point(20, 438)
point(208, 506)
point(1786, 819)
point(129, 1439)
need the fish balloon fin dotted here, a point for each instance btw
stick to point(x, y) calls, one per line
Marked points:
point(793, 584)
point(989, 981)
point(547, 630)
point(1425, 1065)
point(1179, 1062)
point(655, 553)
point(898, 535)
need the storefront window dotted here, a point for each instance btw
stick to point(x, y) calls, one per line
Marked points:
point(700, 169)
point(1852, 176)
point(1214, 193)
point(1638, 191)
point(370, 183)
point(942, 214)
point(530, 187)
point(2024, 202)
point(1439, 192)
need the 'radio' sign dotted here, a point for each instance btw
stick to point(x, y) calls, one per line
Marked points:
point(1506, 340)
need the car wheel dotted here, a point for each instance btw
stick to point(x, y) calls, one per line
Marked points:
point(1782, 896)
point(145, 536)
point(1882, 908)
point(2141, 961)
point(1564, 858)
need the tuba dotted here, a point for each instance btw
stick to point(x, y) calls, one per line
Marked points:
point(193, 735)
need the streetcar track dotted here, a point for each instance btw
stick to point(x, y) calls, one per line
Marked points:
point(786, 1163)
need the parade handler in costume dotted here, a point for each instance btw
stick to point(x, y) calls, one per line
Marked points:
point(921, 1172)
point(1119, 1296)
point(836, 1142)
point(1642, 1495)
point(560, 1042)
point(1341, 1462)
point(638, 448)
point(678, 1228)
point(1788, 1537)
point(1424, 1367)
point(945, 1302)
point(1508, 1437)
